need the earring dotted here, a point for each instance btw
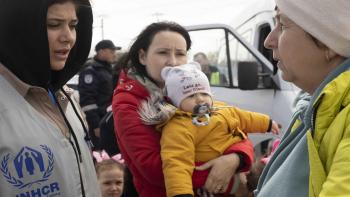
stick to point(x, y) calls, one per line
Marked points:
point(327, 55)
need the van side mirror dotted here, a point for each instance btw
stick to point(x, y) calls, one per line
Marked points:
point(248, 75)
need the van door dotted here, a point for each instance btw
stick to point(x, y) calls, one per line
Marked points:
point(250, 83)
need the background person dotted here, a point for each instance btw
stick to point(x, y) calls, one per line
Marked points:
point(212, 72)
point(159, 45)
point(110, 174)
point(43, 44)
point(108, 140)
point(96, 87)
point(312, 46)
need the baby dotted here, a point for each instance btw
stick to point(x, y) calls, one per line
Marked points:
point(201, 129)
point(110, 174)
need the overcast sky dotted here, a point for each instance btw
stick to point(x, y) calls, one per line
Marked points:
point(124, 19)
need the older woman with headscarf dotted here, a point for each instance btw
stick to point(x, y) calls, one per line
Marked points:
point(311, 42)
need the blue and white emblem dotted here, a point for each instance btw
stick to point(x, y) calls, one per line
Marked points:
point(88, 78)
point(28, 167)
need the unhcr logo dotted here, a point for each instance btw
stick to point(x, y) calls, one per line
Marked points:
point(28, 168)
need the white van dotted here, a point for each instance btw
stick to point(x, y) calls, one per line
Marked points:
point(253, 83)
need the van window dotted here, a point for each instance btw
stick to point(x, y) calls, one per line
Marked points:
point(244, 73)
point(227, 62)
point(206, 51)
point(264, 31)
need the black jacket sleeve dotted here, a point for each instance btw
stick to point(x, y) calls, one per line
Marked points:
point(88, 93)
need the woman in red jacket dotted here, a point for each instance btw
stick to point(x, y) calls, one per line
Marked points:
point(159, 45)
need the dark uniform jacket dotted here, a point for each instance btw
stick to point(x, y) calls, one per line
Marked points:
point(95, 90)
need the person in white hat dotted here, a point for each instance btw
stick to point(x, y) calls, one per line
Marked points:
point(200, 129)
point(311, 42)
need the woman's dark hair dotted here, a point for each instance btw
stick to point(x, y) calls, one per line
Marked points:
point(144, 40)
point(77, 3)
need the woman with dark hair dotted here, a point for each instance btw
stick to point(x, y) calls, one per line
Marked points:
point(158, 45)
point(42, 147)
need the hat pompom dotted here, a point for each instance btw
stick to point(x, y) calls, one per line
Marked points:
point(165, 72)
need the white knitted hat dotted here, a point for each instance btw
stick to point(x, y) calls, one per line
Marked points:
point(184, 80)
point(326, 20)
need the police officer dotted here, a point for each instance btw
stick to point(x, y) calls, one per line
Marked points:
point(96, 86)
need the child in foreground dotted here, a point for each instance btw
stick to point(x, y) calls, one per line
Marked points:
point(110, 174)
point(200, 129)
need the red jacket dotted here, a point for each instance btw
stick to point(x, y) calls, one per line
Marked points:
point(140, 144)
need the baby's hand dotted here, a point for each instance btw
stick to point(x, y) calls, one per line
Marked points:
point(275, 129)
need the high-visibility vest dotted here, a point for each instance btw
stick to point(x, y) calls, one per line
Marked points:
point(215, 78)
